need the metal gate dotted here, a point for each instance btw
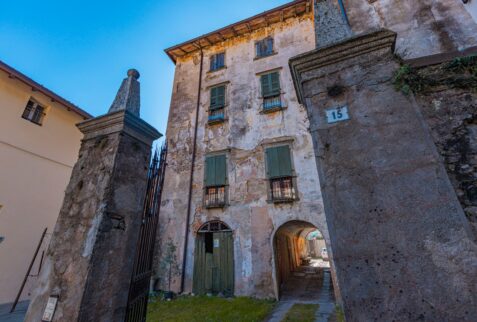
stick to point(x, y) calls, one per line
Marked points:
point(139, 289)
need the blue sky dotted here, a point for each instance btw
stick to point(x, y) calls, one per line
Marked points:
point(82, 49)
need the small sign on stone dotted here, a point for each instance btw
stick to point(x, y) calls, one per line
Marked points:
point(50, 309)
point(337, 114)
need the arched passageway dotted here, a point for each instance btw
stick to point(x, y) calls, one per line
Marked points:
point(214, 260)
point(302, 263)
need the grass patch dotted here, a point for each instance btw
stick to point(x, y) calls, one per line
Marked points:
point(301, 313)
point(210, 309)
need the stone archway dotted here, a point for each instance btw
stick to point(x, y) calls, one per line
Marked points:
point(302, 267)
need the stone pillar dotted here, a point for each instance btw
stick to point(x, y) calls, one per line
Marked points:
point(402, 247)
point(90, 258)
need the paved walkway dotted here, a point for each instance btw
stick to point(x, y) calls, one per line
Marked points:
point(309, 285)
point(17, 316)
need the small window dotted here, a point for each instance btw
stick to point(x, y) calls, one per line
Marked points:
point(271, 91)
point(217, 62)
point(217, 104)
point(34, 112)
point(215, 181)
point(264, 47)
point(280, 173)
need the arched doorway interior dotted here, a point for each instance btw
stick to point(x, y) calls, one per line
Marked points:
point(302, 263)
point(214, 260)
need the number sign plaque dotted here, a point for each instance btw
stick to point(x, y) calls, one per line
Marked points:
point(337, 114)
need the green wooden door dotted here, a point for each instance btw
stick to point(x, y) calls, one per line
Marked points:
point(223, 279)
point(214, 272)
point(198, 283)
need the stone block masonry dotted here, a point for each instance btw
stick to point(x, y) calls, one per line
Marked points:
point(447, 97)
point(403, 249)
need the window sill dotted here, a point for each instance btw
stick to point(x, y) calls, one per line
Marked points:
point(273, 110)
point(216, 70)
point(216, 206)
point(262, 57)
point(216, 122)
point(31, 121)
point(282, 201)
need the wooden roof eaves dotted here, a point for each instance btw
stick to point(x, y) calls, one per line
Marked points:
point(291, 5)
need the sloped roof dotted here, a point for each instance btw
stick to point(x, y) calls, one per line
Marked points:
point(15, 74)
point(289, 10)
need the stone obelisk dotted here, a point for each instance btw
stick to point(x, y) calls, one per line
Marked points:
point(89, 263)
point(402, 247)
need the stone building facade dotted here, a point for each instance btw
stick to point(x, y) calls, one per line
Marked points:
point(238, 132)
point(244, 135)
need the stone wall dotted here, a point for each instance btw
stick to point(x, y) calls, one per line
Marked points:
point(243, 137)
point(403, 250)
point(448, 99)
point(424, 27)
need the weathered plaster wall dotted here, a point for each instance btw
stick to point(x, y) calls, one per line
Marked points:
point(424, 27)
point(252, 219)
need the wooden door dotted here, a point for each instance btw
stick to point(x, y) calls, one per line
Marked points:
point(223, 270)
point(214, 271)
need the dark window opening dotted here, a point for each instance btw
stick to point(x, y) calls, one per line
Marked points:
point(217, 62)
point(282, 189)
point(34, 112)
point(209, 243)
point(215, 197)
point(264, 47)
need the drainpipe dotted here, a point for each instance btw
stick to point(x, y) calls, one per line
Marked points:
point(194, 148)
point(343, 11)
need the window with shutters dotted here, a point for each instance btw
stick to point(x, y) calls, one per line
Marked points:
point(217, 104)
point(34, 112)
point(217, 62)
point(264, 47)
point(215, 181)
point(271, 91)
point(280, 174)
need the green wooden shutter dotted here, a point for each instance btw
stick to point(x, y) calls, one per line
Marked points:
point(279, 162)
point(275, 83)
point(270, 84)
point(266, 88)
point(220, 170)
point(210, 171)
point(273, 169)
point(217, 97)
point(215, 171)
point(284, 161)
